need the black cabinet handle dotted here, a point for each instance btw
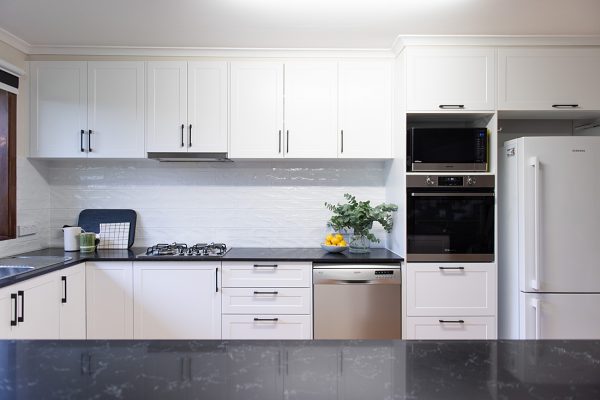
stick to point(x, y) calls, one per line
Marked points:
point(565, 105)
point(64, 281)
point(257, 292)
point(81, 141)
point(182, 128)
point(342, 147)
point(90, 140)
point(265, 265)
point(451, 268)
point(449, 321)
point(190, 137)
point(22, 295)
point(287, 141)
point(13, 296)
point(267, 319)
point(280, 140)
point(217, 279)
point(452, 106)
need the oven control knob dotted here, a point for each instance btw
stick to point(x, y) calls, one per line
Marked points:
point(471, 181)
point(429, 181)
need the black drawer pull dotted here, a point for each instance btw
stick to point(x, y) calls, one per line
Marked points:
point(565, 105)
point(449, 321)
point(451, 268)
point(274, 292)
point(217, 279)
point(182, 143)
point(81, 141)
point(13, 322)
point(452, 106)
point(22, 295)
point(90, 141)
point(64, 280)
point(267, 319)
point(265, 265)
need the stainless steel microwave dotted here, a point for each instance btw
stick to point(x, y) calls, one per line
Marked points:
point(447, 149)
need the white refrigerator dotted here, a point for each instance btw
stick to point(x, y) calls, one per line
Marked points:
point(549, 238)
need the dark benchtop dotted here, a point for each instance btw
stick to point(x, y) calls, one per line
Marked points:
point(315, 255)
point(300, 370)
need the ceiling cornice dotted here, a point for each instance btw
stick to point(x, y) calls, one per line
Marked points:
point(403, 41)
point(15, 41)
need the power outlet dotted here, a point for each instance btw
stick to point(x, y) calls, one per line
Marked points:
point(27, 230)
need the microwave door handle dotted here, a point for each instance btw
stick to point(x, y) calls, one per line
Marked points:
point(452, 194)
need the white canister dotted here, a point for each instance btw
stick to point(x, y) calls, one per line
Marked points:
point(72, 238)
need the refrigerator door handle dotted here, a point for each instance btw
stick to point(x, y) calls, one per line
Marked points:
point(537, 304)
point(535, 163)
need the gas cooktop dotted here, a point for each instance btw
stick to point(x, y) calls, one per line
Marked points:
point(183, 250)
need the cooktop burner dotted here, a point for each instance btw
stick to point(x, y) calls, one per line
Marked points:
point(183, 250)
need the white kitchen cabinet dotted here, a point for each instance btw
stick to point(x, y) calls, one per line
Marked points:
point(311, 109)
point(180, 300)
point(548, 79)
point(187, 106)
point(58, 109)
point(256, 110)
point(365, 109)
point(37, 308)
point(451, 301)
point(268, 274)
point(116, 109)
point(445, 328)
point(457, 78)
point(275, 300)
point(72, 302)
point(109, 305)
point(8, 314)
point(451, 289)
point(87, 109)
point(269, 326)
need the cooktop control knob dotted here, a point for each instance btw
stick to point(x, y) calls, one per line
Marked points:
point(429, 181)
point(471, 181)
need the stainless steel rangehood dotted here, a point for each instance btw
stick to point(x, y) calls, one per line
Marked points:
point(189, 157)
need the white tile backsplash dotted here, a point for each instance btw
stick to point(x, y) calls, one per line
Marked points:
point(276, 204)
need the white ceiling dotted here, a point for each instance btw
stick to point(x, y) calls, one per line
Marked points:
point(285, 23)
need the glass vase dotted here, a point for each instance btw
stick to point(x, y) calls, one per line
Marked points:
point(359, 244)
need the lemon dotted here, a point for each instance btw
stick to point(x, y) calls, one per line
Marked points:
point(329, 237)
point(339, 237)
point(335, 240)
point(343, 243)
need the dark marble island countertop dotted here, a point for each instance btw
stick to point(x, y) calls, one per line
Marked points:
point(300, 370)
point(250, 254)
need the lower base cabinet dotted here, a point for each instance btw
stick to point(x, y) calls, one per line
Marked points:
point(273, 327)
point(180, 300)
point(109, 294)
point(450, 328)
point(72, 302)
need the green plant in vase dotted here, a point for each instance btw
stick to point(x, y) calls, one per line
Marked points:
point(359, 216)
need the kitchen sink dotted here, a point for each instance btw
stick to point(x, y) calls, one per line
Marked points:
point(15, 265)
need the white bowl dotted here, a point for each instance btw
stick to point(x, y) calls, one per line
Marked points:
point(333, 249)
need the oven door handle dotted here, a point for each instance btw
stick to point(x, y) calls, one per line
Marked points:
point(452, 194)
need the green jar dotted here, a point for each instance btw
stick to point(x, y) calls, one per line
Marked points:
point(87, 242)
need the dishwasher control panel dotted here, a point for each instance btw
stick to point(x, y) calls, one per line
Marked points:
point(357, 274)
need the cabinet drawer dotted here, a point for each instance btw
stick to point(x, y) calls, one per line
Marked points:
point(274, 327)
point(267, 274)
point(267, 301)
point(471, 328)
point(451, 289)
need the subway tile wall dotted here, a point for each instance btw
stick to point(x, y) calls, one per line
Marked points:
point(244, 204)
point(33, 208)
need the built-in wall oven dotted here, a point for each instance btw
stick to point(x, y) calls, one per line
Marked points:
point(450, 218)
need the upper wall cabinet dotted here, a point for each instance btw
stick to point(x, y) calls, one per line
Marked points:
point(256, 110)
point(548, 79)
point(311, 109)
point(186, 107)
point(365, 109)
point(87, 109)
point(450, 79)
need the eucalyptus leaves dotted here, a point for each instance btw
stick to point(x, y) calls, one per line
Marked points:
point(360, 215)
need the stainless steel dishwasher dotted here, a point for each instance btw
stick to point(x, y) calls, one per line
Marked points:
point(357, 301)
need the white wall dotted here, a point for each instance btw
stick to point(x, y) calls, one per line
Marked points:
point(33, 193)
point(244, 204)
